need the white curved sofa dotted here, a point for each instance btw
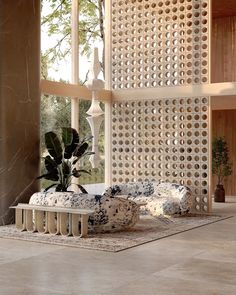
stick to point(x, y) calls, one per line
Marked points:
point(161, 198)
point(111, 213)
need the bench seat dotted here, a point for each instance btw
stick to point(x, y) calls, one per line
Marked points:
point(53, 220)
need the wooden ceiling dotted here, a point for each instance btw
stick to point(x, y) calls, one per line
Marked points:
point(223, 8)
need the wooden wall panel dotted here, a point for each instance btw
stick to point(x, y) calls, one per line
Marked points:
point(224, 124)
point(223, 61)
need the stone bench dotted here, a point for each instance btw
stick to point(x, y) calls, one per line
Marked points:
point(53, 220)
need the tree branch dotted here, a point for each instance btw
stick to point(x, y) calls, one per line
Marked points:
point(51, 14)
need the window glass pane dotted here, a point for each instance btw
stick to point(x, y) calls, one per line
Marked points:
point(91, 34)
point(56, 40)
point(95, 181)
point(55, 113)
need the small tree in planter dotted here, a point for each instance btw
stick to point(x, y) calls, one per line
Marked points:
point(221, 167)
point(64, 154)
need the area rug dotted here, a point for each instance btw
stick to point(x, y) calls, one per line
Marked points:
point(148, 229)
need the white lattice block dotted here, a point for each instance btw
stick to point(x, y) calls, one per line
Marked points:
point(163, 139)
point(159, 43)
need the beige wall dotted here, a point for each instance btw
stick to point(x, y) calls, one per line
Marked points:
point(19, 102)
point(224, 124)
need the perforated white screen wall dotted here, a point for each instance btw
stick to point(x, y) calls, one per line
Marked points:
point(159, 43)
point(162, 139)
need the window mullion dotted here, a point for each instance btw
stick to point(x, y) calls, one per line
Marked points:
point(75, 61)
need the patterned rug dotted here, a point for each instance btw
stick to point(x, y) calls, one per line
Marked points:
point(148, 229)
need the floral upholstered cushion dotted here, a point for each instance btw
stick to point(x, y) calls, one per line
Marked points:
point(132, 189)
point(110, 213)
point(161, 198)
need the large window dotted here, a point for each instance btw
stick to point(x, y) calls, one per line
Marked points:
point(56, 32)
point(55, 113)
point(66, 43)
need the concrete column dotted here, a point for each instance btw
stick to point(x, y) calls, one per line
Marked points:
point(19, 102)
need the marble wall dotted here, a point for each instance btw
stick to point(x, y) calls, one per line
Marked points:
point(19, 102)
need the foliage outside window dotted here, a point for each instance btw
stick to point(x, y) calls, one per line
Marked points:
point(56, 66)
point(56, 36)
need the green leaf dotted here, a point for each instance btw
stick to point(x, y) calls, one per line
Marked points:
point(220, 159)
point(79, 152)
point(84, 171)
point(54, 146)
point(77, 172)
point(87, 138)
point(83, 190)
point(50, 186)
point(50, 164)
point(50, 176)
point(60, 188)
point(71, 147)
point(66, 168)
point(67, 136)
point(85, 154)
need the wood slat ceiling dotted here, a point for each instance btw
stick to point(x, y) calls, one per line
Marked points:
point(223, 8)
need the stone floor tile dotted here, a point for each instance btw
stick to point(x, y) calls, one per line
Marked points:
point(172, 286)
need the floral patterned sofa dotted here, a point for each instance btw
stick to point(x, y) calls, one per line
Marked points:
point(110, 213)
point(118, 208)
point(161, 198)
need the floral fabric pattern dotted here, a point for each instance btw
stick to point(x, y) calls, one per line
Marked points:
point(118, 207)
point(161, 198)
point(110, 213)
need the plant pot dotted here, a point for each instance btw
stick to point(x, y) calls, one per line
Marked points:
point(219, 194)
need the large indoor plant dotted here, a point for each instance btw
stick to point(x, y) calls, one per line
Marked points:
point(221, 166)
point(64, 153)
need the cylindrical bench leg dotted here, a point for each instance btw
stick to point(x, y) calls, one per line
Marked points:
point(46, 222)
point(51, 222)
point(63, 223)
point(39, 221)
point(58, 224)
point(75, 218)
point(28, 216)
point(84, 225)
point(20, 222)
point(70, 224)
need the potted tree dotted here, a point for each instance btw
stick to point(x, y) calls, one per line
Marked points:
point(63, 155)
point(221, 167)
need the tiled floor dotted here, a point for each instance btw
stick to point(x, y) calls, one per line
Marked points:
point(200, 261)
